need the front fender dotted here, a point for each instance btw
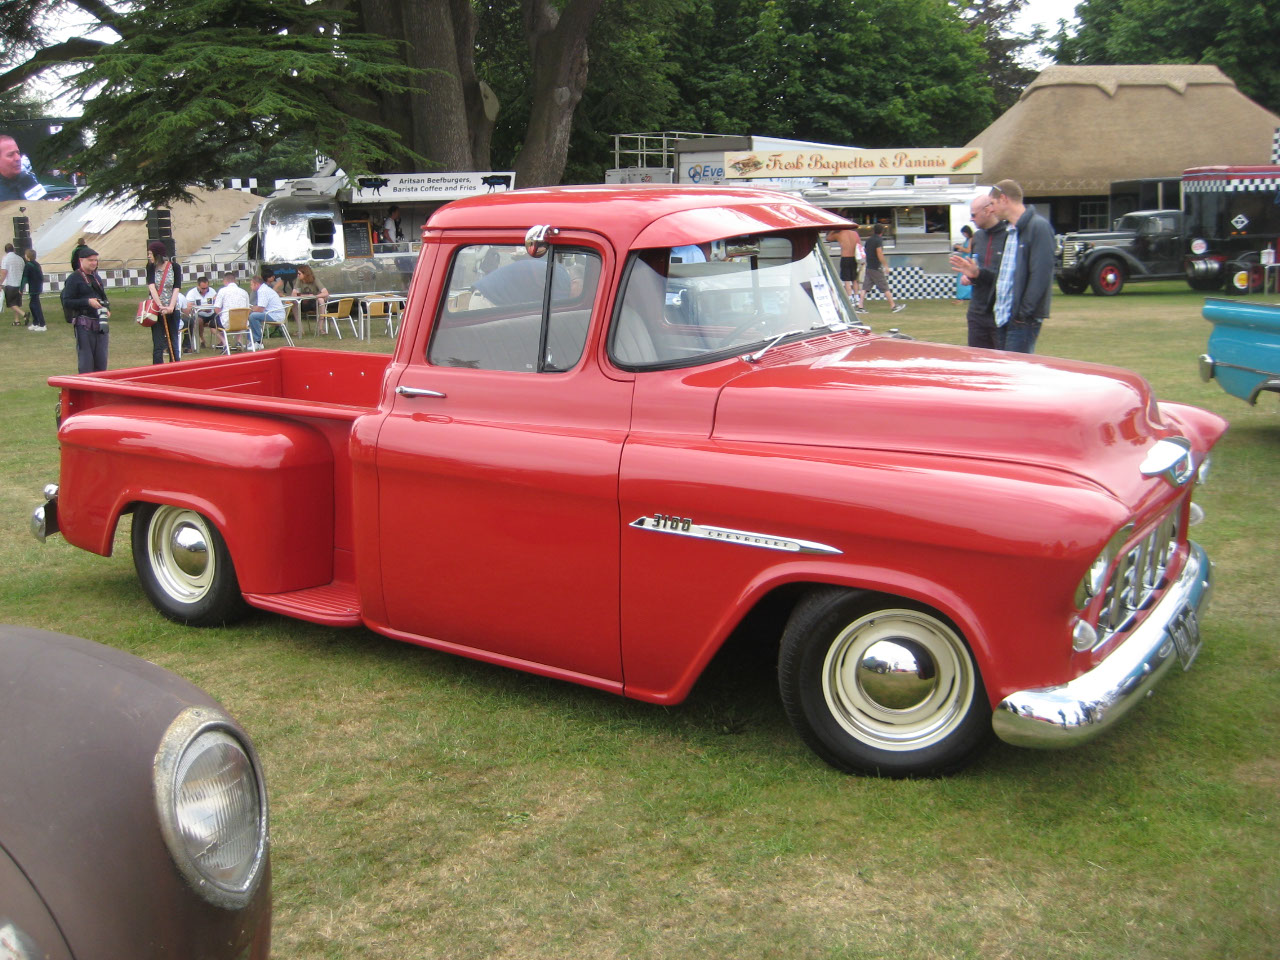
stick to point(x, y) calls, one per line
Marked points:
point(265, 483)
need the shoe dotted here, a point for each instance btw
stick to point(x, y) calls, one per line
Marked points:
point(39, 329)
point(899, 308)
point(861, 311)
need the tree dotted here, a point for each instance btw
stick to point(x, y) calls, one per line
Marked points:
point(181, 88)
point(992, 22)
point(870, 72)
point(1241, 37)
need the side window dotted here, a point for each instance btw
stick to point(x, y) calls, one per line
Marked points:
point(505, 310)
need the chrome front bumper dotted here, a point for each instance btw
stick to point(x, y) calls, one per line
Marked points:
point(1076, 712)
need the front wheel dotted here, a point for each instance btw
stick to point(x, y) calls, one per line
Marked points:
point(1072, 285)
point(184, 566)
point(1106, 278)
point(880, 685)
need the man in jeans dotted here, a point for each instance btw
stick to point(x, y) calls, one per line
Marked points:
point(1024, 284)
point(267, 305)
point(13, 266)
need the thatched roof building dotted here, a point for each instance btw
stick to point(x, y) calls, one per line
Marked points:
point(1074, 130)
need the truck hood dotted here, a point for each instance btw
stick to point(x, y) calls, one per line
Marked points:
point(1107, 237)
point(916, 397)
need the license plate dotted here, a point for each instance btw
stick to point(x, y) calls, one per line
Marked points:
point(1185, 631)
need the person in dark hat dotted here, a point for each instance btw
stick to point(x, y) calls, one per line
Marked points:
point(85, 299)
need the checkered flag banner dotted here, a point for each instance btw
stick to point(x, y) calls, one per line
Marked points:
point(1275, 147)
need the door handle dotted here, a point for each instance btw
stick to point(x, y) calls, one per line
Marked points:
point(418, 392)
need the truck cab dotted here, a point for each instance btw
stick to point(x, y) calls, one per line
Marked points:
point(1143, 245)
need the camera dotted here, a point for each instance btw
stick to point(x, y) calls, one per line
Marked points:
point(104, 313)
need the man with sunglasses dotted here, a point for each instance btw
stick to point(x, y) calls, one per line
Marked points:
point(981, 271)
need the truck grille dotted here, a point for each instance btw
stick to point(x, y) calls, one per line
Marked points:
point(1070, 253)
point(1139, 574)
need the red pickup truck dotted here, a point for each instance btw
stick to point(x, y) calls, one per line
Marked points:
point(620, 423)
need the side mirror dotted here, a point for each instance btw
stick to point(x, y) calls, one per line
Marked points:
point(536, 240)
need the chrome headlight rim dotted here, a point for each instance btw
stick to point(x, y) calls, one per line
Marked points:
point(193, 726)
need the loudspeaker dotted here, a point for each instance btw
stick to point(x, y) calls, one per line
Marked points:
point(160, 227)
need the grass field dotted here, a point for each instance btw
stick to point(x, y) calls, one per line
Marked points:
point(426, 806)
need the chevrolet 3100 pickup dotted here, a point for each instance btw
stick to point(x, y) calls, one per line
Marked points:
point(621, 423)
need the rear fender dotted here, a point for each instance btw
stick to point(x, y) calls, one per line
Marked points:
point(265, 483)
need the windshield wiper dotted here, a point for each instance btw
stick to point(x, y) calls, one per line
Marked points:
point(755, 357)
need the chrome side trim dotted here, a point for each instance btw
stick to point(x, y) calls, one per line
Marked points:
point(683, 527)
point(1076, 712)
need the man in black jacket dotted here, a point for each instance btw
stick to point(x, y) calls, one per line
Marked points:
point(981, 271)
point(1024, 284)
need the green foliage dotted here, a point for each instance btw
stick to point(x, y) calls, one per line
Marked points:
point(1241, 38)
point(869, 72)
point(992, 22)
point(192, 84)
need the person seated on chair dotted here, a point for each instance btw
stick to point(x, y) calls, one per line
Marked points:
point(312, 294)
point(231, 296)
point(201, 312)
point(267, 305)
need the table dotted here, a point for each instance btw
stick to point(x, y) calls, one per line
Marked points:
point(1271, 278)
point(388, 300)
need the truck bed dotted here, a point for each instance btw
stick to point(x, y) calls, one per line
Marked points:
point(326, 384)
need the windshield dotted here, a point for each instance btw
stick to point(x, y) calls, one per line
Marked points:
point(684, 305)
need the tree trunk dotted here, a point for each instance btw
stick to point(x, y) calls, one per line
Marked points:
point(558, 45)
point(446, 120)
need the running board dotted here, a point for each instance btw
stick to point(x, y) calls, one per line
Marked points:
point(335, 604)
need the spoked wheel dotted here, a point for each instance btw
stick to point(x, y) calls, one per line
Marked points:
point(184, 566)
point(880, 685)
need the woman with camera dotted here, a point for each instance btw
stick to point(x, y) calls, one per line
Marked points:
point(86, 300)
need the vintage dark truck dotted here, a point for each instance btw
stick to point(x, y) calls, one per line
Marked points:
point(1143, 245)
point(622, 426)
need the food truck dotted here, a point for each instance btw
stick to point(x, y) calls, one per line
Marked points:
point(1233, 226)
point(335, 224)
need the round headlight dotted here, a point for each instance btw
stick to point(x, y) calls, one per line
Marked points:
point(212, 806)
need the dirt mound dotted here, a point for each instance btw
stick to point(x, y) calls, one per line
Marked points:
point(125, 244)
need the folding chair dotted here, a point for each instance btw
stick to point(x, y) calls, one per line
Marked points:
point(337, 311)
point(237, 325)
point(281, 325)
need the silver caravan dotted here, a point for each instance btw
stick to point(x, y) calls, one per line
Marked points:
point(335, 224)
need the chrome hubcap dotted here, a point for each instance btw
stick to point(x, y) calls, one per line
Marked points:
point(898, 679)
point(179, 546)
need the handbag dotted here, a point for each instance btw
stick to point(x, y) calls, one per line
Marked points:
point(148, 309)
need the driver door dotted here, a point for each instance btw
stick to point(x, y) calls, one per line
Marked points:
point(498, 466)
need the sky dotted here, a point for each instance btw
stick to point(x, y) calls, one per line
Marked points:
point(1048, 12)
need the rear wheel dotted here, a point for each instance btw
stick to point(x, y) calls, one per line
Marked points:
point(1205, 284)
point(1107, 278)
point(184, 566)
point(881, 685)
